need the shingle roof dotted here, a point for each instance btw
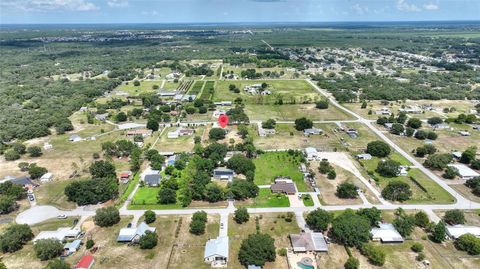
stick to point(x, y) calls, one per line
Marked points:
point(282, 186)
point(308, 242)
point(152, 179)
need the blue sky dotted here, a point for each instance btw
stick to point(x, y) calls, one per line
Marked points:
point(188, 11)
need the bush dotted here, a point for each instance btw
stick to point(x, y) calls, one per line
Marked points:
point(420, 257)
point(47, 249)
point(322, 104)
point(14, 237)
point(352, 263)
point(319, 219)
point(257, 249)
point(438, 161)
point(388, 168)
point(375, 255)
point(468, 243)
point(199, 220)
point(282, 252)
point(36, 171)
point(331, 174)
point(439, 232)
point(102, 169)
point(150, 216)
point(397, 191)
point(414, 123)
point(90, 243)
point(216, 134)
point(241, 215)
point(57, 264)
point(34, 151)
point(404, 224)
point(108, 216)
point(378, 149)
point(148, 241)
point(450, 172)
point(11, 155)
point(92, 191)
point(421, 219)
point(347, 190)
point(454, 216)
point(417, 247)
point(167, 195)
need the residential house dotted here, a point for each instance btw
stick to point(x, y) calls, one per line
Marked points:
point(456, 231)
point(173, 75)
point(265, 132)
point(311, 153)
point(464, 171)
point(216, 251)
point(166, 93)
point(283, 185)
point(457, 155)
point(46, 177)
point(364, 156)
point(403, 170)
point(312, 131)
point(101, 117)
point(24, 181)
point(74, 138)
point(180, 132)
point(386, 233)
point(388, 125)
point(125, 176)
point(217, 113)
point(86, 262)
point(72, 247)
point(60, 234)
point(134, 234)
point(441, 126)
point(152, 180)
point(253, 89)
point(411, 109)
point(230, 154)
point(142, 132)
point(223, 173)
point(308, 242)
point(189, 97)
point(353, 133)
point(385, 111)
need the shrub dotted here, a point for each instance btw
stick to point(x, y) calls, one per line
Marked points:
point(34, 151)
point(352, 263)
point(450, 172)
point(216, 134)
point(454, 216)
point(420, 257)
point(11, 155)
point(282, 252)
point(351, 229)
point(257, 249)
point(303, 123)
point(47, 249)
point(322, 104)
point(417, 247)
point(347, 190)
point(241, 215)
point(421, 219)
point(14, 237)
point(149, 216)
point(375, 255)
point(468, 243)
point(108, 216)
point(57, 264)
point(388, 168)
point(331, 174)
point(148, 241)
point(397, 191)
point(319, 219)
point(90, 243)
point(378, 149)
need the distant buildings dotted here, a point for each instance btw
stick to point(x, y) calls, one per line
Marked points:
point(364, 156)
point(180, 132)
point(74, 138)
point(141, 132)
point(464, 171)
point(60, 234)
point(152, 180)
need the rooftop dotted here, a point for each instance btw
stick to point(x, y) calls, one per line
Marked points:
point(386, 233)
point(217, 246)
point(304, 242)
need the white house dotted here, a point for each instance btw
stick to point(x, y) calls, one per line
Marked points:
point(134, 234)
point(386, 233)
point(60, 234)
point(364, 156)
point(75, 138)
point(456, 231)
point(464, 171)
point(216, 251)
point(403, 170)
point(464, 133)
point(312, 153)
point(312, 131)
point(46, 177)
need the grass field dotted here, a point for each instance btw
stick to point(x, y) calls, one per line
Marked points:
point(272, 164)
point(298, 90)
point(292, 112)
point(208, 90)
point(307, 200)
point(180, 144)
point(146, 86)
point(266, 198)
point(272, 224)
point(53, 193)
point(146, 198)
point(196, 87)
point(287, 137)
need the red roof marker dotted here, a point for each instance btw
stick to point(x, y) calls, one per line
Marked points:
point(223, 120)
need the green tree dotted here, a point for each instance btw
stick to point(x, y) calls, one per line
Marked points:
point(331, 174)
point(257, 249)
point(450, 172)
point(322, 104)
point(319, 219)
point(352, 263)
point(57, 264)
point(14, 237)
point(167, 195)
point(90, 243)
point(434, 120)
point(150, 216)
point(347, 190)
point(404, 224)
point(417, 247)
point(149, 240)
point(373, 214)
point(439, 232)
point(351, 229)
point(9, 189)
point(454, 216)
point(152, 124)
point(375, 254)
point(121, 116)
point(269, 124)
point(414, 123)
point(468, 155)
point(34, 151)
point(7, 204)
point(421, 219)
point(19, 148)
point(378, 148)
point(107, 216)
point(36, 171)
point(397, 129)
point(397, 191)
point(11, 155)
point(388, 168)
point(216, 134)
point(468, 243)
point(102, 169)
point(240, 164)
point(213, 193)
point(438, 161)
point(241, 215)
point(197, 227)
point(303, 123)
point(47, 249)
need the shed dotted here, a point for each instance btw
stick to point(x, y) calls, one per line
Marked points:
point(386, 233)
point(312, 153)
point(73, 246)
point(75, 138)
point(46, 177)
point(456, 231)
point(364, 156)
point(134, 234)
point(86, 262)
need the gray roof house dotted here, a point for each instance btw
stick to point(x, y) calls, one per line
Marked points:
point(72, 247)
point(134, 234)
point(23, 181)
point(152, 180)
point(312, 131)
point(308, 242)
point(216, 251)
point(223, 173)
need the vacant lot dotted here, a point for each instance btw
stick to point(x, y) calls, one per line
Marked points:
point(266, 198)
point(146, 86)
point(272, 224)
point(292, 112)
point(287, 137)
point(289, 90)
point(180, 144)
point(272, 164)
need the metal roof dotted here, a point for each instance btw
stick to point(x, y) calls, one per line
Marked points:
point(217, 246)
point(386, 233)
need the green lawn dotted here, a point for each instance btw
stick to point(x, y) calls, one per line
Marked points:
point(130, 187)
point(293, 111)
point(307, 200)
point(196, 87)
point(298, 90)
point(272, 164)
point(266, 198)
point(145, 87)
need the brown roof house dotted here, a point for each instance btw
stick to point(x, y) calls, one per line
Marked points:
point(308, 242)
point(283, 185)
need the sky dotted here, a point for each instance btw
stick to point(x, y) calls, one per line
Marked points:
point(215, 11)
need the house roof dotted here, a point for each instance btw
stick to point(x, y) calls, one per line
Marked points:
point(128, 234)
point(84, 262)
point(386, 233)
point(308, 242)
point(217, 246)
point(75, 244)
point(456, 231)
point(464, 170)
point(223, 171)
point(253, 267)
point(312, 131)
point(311, 150)
point(22, 181)
point(59, 234)
point(47, 176)
point(283, 186)
point(152, 179)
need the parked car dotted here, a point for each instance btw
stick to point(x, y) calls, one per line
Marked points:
point(62, 216)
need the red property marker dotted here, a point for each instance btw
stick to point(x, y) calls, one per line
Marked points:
point(223, 120)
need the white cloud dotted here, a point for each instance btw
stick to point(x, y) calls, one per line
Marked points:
point(117, 3)
point(430, 6)
point(359, 9)
point(402, 5)
point(41, 5)
point(150, 13)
